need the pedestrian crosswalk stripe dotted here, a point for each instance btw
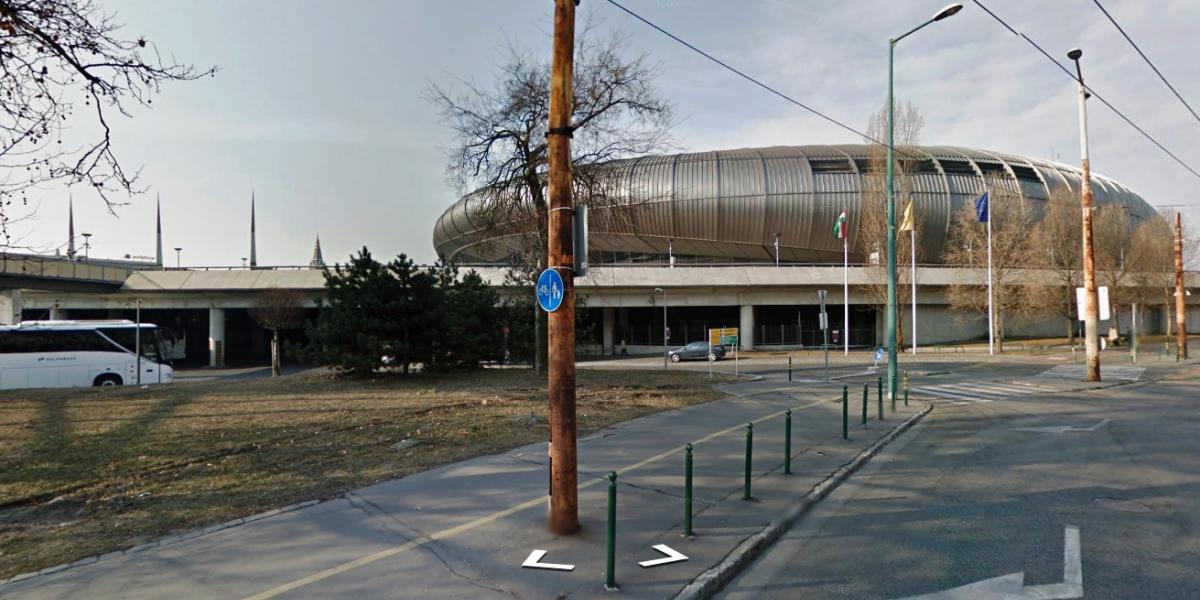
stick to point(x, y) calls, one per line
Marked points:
point(967, 392)
point(1110, 372)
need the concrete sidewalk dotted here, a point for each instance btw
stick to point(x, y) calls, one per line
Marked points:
point(463, 530)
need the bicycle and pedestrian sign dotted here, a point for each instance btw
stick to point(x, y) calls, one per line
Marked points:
point(549, 290)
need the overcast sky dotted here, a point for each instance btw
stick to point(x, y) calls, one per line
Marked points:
point(318, 107)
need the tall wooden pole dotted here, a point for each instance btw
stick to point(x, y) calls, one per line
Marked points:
point(1180, 295)
point(564, 507)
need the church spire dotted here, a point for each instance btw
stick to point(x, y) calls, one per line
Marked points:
point(70, 228)
point(253, 249)
point(158, 256)
point(318, 261)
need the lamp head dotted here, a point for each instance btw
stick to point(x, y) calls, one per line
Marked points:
point(657, 290)
point(949, 11)
point(1074, 53)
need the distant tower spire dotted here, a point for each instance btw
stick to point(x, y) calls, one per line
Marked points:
point(253, 249)
point(318, 261)
point(158, 257)
point(70, 228)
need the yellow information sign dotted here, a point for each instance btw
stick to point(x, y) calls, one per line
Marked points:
point(726, 336)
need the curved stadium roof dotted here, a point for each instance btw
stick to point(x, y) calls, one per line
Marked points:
point(728, 204)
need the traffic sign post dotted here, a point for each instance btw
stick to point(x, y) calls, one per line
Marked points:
point(821, 295)
point(724, 336)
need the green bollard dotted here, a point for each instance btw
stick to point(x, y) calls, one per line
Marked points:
point(749, 451)
point(845, 412)
point(905, 389)
point(787, 443)
point(879, 387)
point(610, 579)
point(687, 491)
point(866, 386)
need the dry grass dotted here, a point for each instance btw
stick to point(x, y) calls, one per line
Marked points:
point(93, 470)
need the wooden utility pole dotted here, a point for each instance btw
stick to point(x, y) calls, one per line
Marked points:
point(1180, 295)
point(564, 506)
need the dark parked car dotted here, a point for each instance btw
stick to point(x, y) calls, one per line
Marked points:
point(697, 351)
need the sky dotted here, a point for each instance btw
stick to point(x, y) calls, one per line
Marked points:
point(322, 115)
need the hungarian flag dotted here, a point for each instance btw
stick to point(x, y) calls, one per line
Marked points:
point(839, 226)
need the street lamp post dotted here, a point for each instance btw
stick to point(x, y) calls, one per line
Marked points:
point(892, 303)
point(666, 329)
point(87, 239)
point(777, 249)
point(177, 251)
point(1091, 318)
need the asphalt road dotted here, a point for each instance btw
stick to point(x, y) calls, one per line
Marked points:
point(998, 487)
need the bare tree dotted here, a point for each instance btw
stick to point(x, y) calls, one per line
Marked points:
point(1153, 259)
point(500, 141)
point(1056, 247)
point(872, 234)
point(1113, 231)
point(1012, 217)
point(278, 309)
point(55, 55)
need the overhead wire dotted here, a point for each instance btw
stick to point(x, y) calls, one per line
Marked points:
point(1088, 88)
point(1147, 59)
point(753, 80)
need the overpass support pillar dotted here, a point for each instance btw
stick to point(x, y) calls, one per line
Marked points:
point(746, 327)
point(610, 324)
point(56, 313)
point(10, 307)
point(216, 337)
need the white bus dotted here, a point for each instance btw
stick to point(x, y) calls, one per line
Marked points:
point(38, 354)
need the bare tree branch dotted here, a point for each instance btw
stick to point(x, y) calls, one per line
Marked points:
point(53, 55)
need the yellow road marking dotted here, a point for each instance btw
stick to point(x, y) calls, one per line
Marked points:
point(445, 533)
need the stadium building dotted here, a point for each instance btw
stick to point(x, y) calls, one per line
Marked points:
point(745, 238)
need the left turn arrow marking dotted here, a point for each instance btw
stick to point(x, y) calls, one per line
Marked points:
point(534, 562)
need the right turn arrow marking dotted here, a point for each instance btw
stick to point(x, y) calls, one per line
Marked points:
point(673, 556)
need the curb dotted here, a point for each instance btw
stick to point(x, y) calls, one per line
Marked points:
point(708, 583)
point(166, 541)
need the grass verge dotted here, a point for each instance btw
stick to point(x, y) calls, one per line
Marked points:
point(88, 471)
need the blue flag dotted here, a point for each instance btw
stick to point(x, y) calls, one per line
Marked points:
point(981, 208)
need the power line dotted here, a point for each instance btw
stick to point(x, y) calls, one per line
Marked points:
point(1088, 88)
point(760, 84)
point(1147, 59)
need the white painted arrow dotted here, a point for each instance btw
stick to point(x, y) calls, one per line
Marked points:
point(534, 562)
point(673, 556)
point(1063, 428)
point(1012, 586)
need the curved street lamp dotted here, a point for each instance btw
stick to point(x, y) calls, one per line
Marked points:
point(892, 303)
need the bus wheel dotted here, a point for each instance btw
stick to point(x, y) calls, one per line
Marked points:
point(106, 380)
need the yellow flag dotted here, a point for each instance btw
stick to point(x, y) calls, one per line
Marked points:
point(906, 224)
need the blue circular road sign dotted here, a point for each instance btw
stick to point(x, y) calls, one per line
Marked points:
point(549, 290)
point(878, 354)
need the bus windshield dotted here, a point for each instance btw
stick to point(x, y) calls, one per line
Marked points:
point(127, 337)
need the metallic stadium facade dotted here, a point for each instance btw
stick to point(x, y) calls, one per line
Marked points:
point(728, 205)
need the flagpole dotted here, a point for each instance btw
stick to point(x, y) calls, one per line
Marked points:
point(846, 293)
point(991, 307)
point(913, 233)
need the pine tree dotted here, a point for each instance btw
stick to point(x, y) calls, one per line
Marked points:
point(353, 332)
